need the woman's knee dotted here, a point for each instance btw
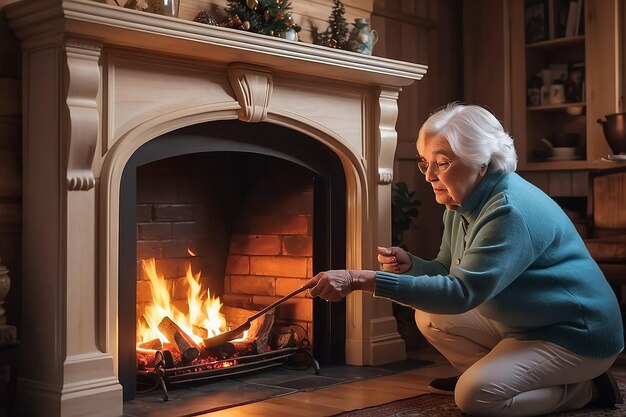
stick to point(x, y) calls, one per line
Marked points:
point(476, 397)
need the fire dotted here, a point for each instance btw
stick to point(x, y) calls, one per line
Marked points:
point(204, 310)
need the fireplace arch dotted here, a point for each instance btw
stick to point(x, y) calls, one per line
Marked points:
point(232, 137)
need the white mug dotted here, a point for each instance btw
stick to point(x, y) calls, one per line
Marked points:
point(557, 94)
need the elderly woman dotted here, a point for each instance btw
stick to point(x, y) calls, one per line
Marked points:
point(513, 299)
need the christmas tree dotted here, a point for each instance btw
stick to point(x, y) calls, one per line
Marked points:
point(268, 17)
point(337, 33)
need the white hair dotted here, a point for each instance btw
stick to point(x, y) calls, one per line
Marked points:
point(474, 134)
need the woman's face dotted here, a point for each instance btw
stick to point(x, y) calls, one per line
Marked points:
point(452, 180)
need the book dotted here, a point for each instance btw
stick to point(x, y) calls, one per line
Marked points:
point(572, 14)
point(560, 13)
point(580, 19)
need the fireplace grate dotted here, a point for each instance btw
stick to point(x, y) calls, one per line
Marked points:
point(163, 377)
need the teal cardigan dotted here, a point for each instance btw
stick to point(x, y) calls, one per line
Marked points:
point(511, 252)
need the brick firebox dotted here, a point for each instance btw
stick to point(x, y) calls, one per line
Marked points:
point(250, 250)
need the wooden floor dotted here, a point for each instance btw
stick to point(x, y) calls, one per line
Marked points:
point(333, 400)
point(350, 396)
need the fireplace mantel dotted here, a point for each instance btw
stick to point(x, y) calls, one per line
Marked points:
point(98, 82)
point(130, 28)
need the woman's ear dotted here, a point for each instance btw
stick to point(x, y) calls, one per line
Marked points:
point(483, 170)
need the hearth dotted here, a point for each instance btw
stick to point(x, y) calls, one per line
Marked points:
point(99, 84)
point(273, 218)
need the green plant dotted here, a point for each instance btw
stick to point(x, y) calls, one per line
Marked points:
point(404, 207)
point(403, 210)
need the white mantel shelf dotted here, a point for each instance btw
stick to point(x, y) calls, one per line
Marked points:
point(115, 25)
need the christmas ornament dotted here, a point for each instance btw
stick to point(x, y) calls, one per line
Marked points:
point(289, 34)
point(252, 4)
point(205, 17)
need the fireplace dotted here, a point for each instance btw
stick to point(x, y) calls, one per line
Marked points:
point(273, 218)
point(99, 84)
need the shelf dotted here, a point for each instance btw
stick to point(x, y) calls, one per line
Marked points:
point(574, 165)
point(557, 42)
point(559, 106)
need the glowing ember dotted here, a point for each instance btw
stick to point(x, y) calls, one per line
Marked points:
point(204, 310)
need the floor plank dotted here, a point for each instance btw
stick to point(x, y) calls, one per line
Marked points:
point(350, 396)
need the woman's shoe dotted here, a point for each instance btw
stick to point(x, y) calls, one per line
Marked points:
point(608, 393)
point(443, 386)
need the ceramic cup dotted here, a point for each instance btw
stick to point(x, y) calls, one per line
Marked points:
point(557, 94)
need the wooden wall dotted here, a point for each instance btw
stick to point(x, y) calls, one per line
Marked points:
point(10, 167)
point(427, 32)
point(422, 31)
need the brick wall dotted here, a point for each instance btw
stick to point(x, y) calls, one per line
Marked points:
point(271, 250)
point(250, 228)
point(182, 205)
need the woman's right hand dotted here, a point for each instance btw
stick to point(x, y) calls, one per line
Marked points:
point(393, 259)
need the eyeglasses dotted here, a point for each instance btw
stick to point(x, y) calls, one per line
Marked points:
point(437, 169)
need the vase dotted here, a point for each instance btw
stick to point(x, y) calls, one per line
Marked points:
point(362, 38)
point(289, 34)
point(162, 7)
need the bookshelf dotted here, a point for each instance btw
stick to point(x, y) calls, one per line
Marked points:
point(560, 84)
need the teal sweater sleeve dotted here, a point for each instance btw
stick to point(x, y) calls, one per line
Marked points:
point(512, 253)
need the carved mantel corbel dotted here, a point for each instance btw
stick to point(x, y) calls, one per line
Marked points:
point(253, 89)
point(82, 83)
point(386, 117)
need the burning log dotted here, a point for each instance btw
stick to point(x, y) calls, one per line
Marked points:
point(200, 331)
point(258, 334)
point(154, 344)
point(283, 337)
point(168, 359)
point(223, 351)
point(183, 342)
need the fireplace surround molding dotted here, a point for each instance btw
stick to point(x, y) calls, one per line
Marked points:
point(98, 82)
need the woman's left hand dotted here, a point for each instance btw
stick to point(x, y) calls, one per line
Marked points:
point(336, 284)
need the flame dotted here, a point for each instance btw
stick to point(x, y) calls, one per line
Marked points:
point(204, 310)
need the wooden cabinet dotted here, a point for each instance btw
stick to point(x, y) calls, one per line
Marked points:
point(598, 51)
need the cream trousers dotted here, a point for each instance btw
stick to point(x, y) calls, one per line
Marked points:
point(509, 377)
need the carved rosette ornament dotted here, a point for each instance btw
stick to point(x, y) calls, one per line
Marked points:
point(253, 89)
point(82, 80)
